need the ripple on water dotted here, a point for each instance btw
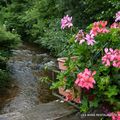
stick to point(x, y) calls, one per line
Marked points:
point(22, 66)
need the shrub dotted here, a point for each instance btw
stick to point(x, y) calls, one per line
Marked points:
point(54, 38)
point(8, 39)
point(32, 18)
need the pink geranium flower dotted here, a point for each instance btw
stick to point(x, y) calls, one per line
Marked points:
point(99, 27)
point(115, 116)
point(115, 25)
point(116, 61)
point(90, 39)
point(85, 79)
point(77, 100)
point(80, 37)
point(68, 97)
point(111, 57)
point(117, 18)
point(66, 22)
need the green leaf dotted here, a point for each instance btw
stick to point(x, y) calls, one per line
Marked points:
point(94, 103)
point(84, 105)
point(111, 91)
point(104, 81)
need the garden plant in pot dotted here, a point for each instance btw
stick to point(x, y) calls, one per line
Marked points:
point(96, 71)
point(66, 23)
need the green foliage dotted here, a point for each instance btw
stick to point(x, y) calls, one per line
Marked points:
point(59, 83)
point(103, 83)
point(112, 91)
point(106, 88)
point(8, 39)
point(54, 38)
point(84, 106)
point(2, 62)
point(38, 20)
point(112, 39)
point(4, 79)
point(88, 11)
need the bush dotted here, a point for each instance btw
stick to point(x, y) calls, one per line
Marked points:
point(54, 38)
point(8, 40)
point(85, 12)
point(32, 19)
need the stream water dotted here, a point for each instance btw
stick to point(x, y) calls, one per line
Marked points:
point(26, 67)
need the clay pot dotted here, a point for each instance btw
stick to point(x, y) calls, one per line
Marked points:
point(61, 62)
point(64, 92)
point(71, 92)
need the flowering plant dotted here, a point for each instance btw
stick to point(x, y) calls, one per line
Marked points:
point(97, 67)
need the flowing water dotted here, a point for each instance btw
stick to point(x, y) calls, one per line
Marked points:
point(29, 98)
point(26, 66)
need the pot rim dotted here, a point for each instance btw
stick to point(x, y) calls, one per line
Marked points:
point(62, 59)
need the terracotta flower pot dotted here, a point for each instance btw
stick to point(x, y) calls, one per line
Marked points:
point(69, 95)
point(64, 92)
point(61, 62)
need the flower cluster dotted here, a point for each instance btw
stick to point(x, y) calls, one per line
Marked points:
point(94, 86)
point(99, 27)
point(90, 39)
point(115, 25)
point(80, 37)
point(69, 96)
point(116, 116)
point(85, 79)
point(111, 57)
point(117, 16)
point(66, 22)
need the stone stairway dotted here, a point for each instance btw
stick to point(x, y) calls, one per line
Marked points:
point(47, 111)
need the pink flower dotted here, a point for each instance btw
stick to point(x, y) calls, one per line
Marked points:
point(115, 25)
point(85, 79)
point(116, 116)
point(103, 23)
point(111, 57)
point(77, 100)
point(117, 16)
point(90, 39)
point(94, 31)
point(80, 37)
point(116, 61)
point(99, 27)
point(68, 97)
point(66, 22)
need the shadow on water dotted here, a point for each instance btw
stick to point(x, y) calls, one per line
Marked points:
point(44, 91)
point(8, 94)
